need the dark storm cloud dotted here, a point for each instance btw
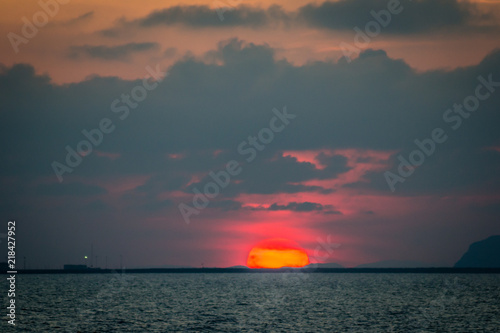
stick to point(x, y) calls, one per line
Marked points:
point(408, 17)
point(461, 168)
point(334, 165)
point(117, 52)
point(193, 123)
point(76, 189)
point(278, 174)
point(374, 102)
point(300, 206)
point(203, 16)
point(411, 17)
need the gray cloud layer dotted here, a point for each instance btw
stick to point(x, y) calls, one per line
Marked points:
point(372, 103)
point(415, 16)
point(202, 111)
point(300, 206)
point(412, 16)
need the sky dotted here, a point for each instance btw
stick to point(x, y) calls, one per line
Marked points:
point(186, 132)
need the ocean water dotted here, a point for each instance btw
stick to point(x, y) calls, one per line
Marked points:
point(269, 302)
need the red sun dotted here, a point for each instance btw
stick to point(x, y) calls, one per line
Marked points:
point(276, 253)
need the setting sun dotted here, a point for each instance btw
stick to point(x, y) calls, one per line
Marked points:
point(276, 253)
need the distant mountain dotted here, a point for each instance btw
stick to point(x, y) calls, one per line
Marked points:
point(484, 254)
point(325, 265)
point(238, 266)
point(396, 264)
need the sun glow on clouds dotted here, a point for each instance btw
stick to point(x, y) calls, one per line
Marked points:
point(343, 201)
point(256, 219)
point(360, 161)
point(309, 156)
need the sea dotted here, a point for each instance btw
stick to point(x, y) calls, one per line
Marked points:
point(255, 302)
